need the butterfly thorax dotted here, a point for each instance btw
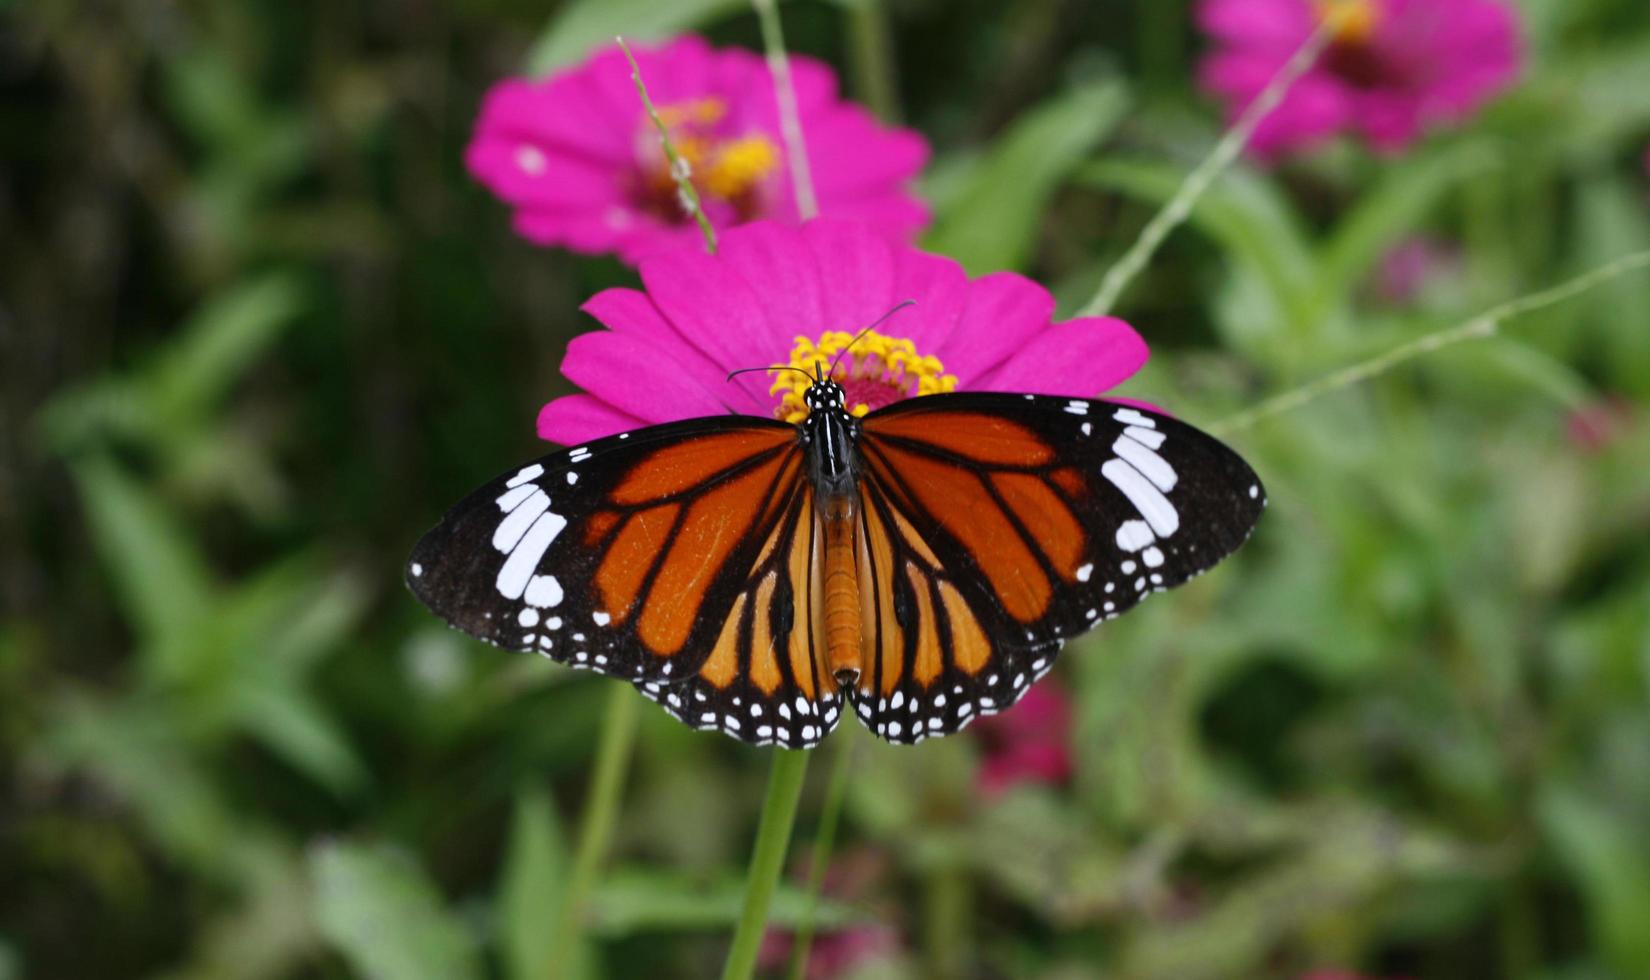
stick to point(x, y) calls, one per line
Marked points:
point(829, 435)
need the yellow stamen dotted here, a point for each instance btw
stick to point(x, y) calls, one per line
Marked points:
point(726, 167)
point(886, 369)
point(1351, 21)
point(701, 112)
point(740, 164)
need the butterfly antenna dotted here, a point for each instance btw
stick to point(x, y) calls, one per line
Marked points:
point(879, 321)
point(772, 367)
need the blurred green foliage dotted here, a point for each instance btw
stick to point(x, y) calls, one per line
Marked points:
point(257, 329)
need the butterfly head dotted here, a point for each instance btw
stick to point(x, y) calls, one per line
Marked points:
point(825, 395)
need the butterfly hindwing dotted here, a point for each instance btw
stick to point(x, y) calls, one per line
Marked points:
point(995, 527)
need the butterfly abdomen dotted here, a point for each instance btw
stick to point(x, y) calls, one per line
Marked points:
point(843, 622)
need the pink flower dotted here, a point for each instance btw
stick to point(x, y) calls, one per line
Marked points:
point(1597, 426)
point(854, 876)
point(777, 294)
point(577, 157)
point(1029, 744)
point(1394, 69)
point(1412, 266)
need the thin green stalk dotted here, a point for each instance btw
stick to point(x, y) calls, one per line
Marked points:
point(680, 170)
point(1477, 328)
point(790, 118)
point(1199, 180)
point(773, 838)
point(601, 811)
point(947, 899)
point(871, 58)
point(830, 814)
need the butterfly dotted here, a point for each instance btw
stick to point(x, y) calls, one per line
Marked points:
point(922, 565)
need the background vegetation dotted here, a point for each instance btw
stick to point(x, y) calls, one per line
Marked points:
point(258, 328)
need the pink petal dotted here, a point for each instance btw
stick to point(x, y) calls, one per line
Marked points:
point(632, 314)
point(1079, 358)
point(575, 419)
point(1258, 23)
point(637, 377)
point(1004, 311)
point(858, 267)
point(716, 310)
point(940, 288)
point(849, 150)
point(778, 264)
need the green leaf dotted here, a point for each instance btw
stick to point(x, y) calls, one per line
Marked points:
point(1247, 215)
point(991, 222)
point(219, 342)
point(531, 893)
point(631, 900)
point(294, 727)
point(159, 576)
point(379, 909)
point(584, 25)
point(1606, 853)
point(1401, 202)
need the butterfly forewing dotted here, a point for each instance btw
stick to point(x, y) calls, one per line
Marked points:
point(995, 527)
point(679, 557)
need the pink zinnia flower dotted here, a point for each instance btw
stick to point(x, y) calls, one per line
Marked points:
point(777, 294)
point(854, 876)
point(1394, 69)
point(1412, 266)
point(1030, 744)
point(1594, 427)
point(577, 157)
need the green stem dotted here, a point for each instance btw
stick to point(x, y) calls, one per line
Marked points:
point(946, 918)
point(830, 814)
point(1199, 180)
point(790, 118)
point(680, 170)
point(601, 809)
point(773, 837)
point(871, 58)
point(1479, 327)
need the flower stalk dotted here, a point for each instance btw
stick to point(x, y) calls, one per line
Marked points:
point(1479, 327)
point(830, 815)
point(1198, 182)
point(601, 813)
point(680, 171)
point(773, 838)
point(790, 117)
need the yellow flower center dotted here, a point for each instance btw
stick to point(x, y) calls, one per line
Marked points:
point(1350, 21)
point(725, 167)
point(878, 371)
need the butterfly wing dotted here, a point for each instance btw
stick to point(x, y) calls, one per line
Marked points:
point(995, 527)
point(679, 557)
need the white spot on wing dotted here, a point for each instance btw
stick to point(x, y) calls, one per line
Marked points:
point(529, 617)
point(1152, 466)
point(1134, 535)
point(601, 618)
point(417, 569)
point(543, 591)
point(1084, 572)
point(1153, 557)
point(527, 473)
point(511, 498)
point(1129, 416)
point(1147, 499)
point(516, 523)
point(1150, 438)
point(518, 568)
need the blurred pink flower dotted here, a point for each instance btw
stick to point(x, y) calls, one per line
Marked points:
point(778, 294)
point(1412, 265)
point(1593, 427)
point(853, 876)
point(1030, 743)
point(1395, 68)
point(577, 157)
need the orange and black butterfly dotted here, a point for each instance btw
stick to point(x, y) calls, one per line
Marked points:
point(923, 564)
